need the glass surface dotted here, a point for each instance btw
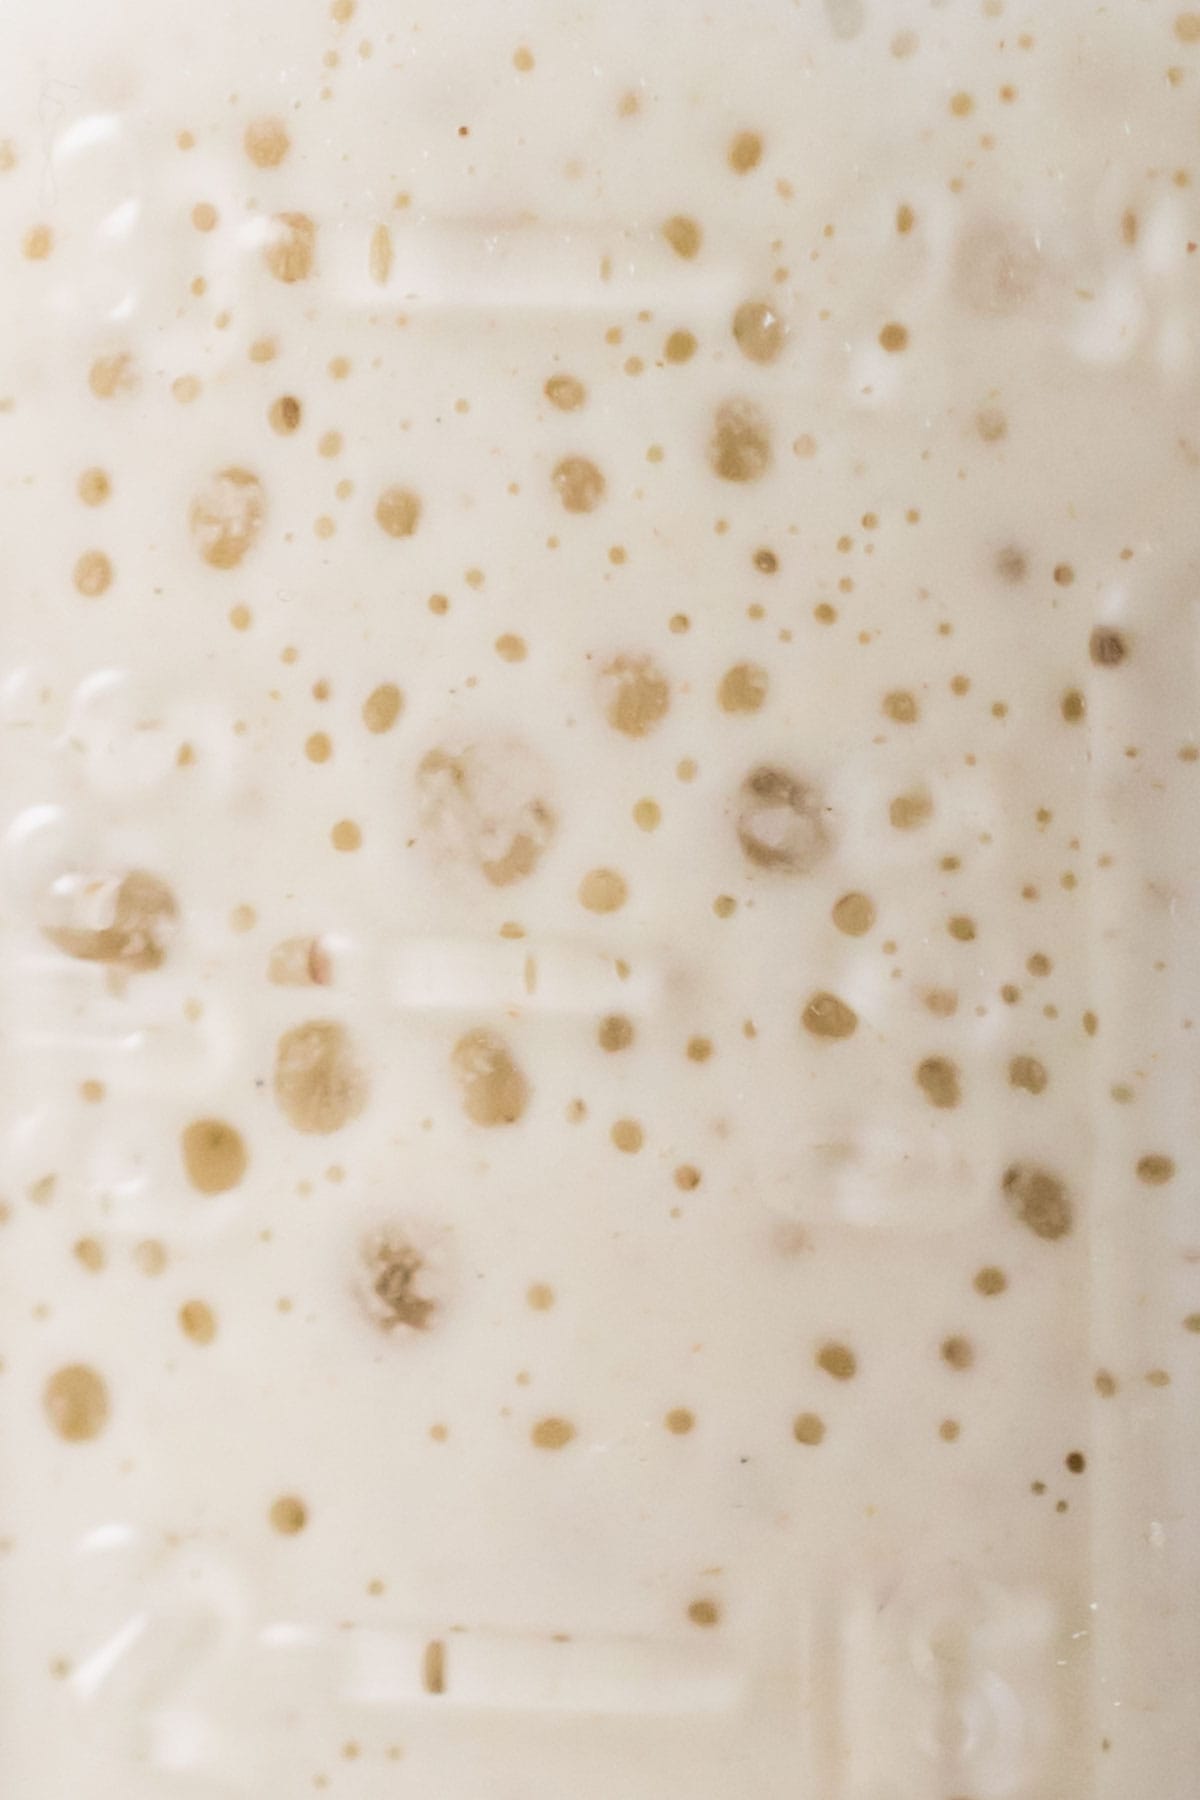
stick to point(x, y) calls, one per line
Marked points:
point(600, 802)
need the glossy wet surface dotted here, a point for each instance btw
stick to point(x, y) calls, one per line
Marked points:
point(599, 916)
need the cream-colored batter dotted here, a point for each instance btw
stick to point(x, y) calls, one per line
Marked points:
point(601, 781)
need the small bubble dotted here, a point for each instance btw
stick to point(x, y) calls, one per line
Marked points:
point(565, 392)
point(110, 375)
point(837, 1360)
point(37, 243)
point(780, 821)
point(740, 446)
point(1011, 564)
point(1107, 647)
point(393, 1273)
point(150, 1257)
point(580, 484)
point(94, 487)
point(226, 517)
point(615, 1033)
point(76, 1402)
point(745, 152)
point(495, 1091)
point(398, 512)
point(284, 415)
point(680, 347)
point(266, 142)
point(382, 708)
point(808, 1428)
point(854, 914)
point(907, 812)
point(288, 1515)
point(552, 1434)
point(901, 707)
point(1039, 1199)
point(90, 1253)
point(380, 255)
point(214, 1156)
point(433, 1667)
point(93, 574)
point(825, 1016)
point(318, 1082)
point(937, 1077)
point(1028, 1073)
point(198, 1321)
point(743, 688)
point(603, 891)
point(291, 254)
point(758, 331)
point(683, 235)
point(638, 695)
